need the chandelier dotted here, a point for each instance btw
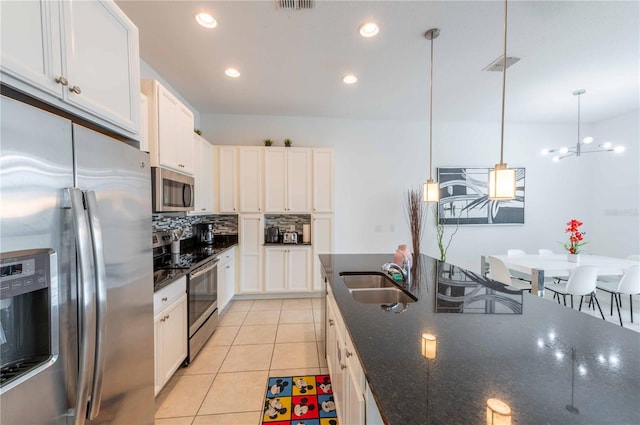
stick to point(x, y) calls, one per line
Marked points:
point(582, 145)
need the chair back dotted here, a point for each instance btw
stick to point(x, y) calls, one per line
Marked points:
point(630, 281)
point(515, 252)
point(583, 280)
point(543, 251)
point(499, 271)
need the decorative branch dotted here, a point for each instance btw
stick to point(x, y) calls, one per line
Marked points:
point(417, 215)
point(439, 223)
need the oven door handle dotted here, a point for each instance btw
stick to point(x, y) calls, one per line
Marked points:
point(199, 272)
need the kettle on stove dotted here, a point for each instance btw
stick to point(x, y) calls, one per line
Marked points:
point(205, 233)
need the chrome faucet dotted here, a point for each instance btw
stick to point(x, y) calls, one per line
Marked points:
point(405, 269)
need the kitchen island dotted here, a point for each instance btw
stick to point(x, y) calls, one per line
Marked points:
point(548, 363)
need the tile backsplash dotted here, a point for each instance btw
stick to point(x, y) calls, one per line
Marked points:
point(284, 221)
point(224, 224)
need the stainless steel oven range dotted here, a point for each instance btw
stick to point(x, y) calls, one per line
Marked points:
point(203, 305)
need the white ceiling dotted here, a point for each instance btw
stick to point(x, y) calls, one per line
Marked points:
point(292, 61)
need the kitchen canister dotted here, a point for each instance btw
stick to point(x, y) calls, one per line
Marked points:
point(306, 233)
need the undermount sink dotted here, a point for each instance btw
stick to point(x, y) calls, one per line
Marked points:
point(358, 280)
point(389, 295)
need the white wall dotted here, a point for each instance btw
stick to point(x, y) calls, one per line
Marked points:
point(377, 161)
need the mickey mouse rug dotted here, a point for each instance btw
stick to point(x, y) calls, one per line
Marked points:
point(299, 400)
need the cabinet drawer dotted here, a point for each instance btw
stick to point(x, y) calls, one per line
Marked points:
point(226, 257)
point(164, 297)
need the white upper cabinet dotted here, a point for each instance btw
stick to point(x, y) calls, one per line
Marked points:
point(323, 182)
point(227, 179)
point(250, 178)
point(287, 180)
point(203, 175)
point(170, 129)
point(81, 56)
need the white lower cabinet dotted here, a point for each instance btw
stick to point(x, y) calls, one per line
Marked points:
point(170, 330)
point(347, 377)
point(251, 238)
point(287, 269)
point(226, 278)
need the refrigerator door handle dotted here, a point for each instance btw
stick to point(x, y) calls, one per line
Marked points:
point(101, 302)
point(86, 303)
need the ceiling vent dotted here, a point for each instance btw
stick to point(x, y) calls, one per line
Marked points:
point(295, 4)
point(496, 65)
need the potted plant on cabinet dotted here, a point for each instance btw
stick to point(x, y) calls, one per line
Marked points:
point(268, 142)
point(287, 143)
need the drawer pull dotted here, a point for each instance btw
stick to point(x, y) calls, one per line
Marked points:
point(62, 80)
point(75, 89)
point(164, 299)
point(343, 367)
point(331, 322)
point(349, 353)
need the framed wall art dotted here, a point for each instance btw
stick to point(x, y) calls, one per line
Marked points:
point(464, 200)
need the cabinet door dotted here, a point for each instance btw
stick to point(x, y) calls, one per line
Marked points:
point(299, 269)
point(222, 287)
point(322, 241)
point(229, 281)
point(251, 236)
point(330, 329)
point(101, 61)
point(203, 174)
point(167, 129)
point(275, 269)
point(338, 381)
point(323, 180)
point(227, 179)
point(174, 348)
point(275, 180)
point(158, 352)
point(31, 45)
point(250, 178)
point(184, 141)
point(354, 405)
point(144, 123)
point(299, 180)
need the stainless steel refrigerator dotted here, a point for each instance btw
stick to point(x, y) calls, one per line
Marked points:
point(75, 224)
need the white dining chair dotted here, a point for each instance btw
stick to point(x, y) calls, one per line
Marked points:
point(581, 282)
point(629, 284)
point(544, 251)
point(516, 274)
point(498, 271)
point(515, 252)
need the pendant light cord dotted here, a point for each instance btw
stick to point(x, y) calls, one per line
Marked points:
point(504, 78)
point(578, 144)
point(431, 114)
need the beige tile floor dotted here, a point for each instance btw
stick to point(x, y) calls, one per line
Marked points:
point(255, 339)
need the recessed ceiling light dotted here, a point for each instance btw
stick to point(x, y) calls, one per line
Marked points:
point(349, 79)
point(206, 20)
point(369, 29)
point(232, 72)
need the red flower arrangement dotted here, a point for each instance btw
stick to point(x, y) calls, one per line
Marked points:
point(576, 237)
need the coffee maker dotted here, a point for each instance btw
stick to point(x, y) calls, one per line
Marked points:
point(205, 233)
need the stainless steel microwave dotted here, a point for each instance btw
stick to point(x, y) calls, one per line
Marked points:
point(171, 191)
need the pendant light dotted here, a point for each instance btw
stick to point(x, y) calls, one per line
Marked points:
point(502, 180)
point(431, 187)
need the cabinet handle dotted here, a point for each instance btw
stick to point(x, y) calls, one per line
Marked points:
point(349, 354)
point(167, 316)
point(62, 80)
point(75, 89)
point(343, 367)
point(164, 299)
point(331, 323)
point(227, 267)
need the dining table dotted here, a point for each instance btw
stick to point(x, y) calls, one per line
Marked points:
point(557, 265)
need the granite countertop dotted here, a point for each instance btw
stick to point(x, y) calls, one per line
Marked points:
point(506, 345)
